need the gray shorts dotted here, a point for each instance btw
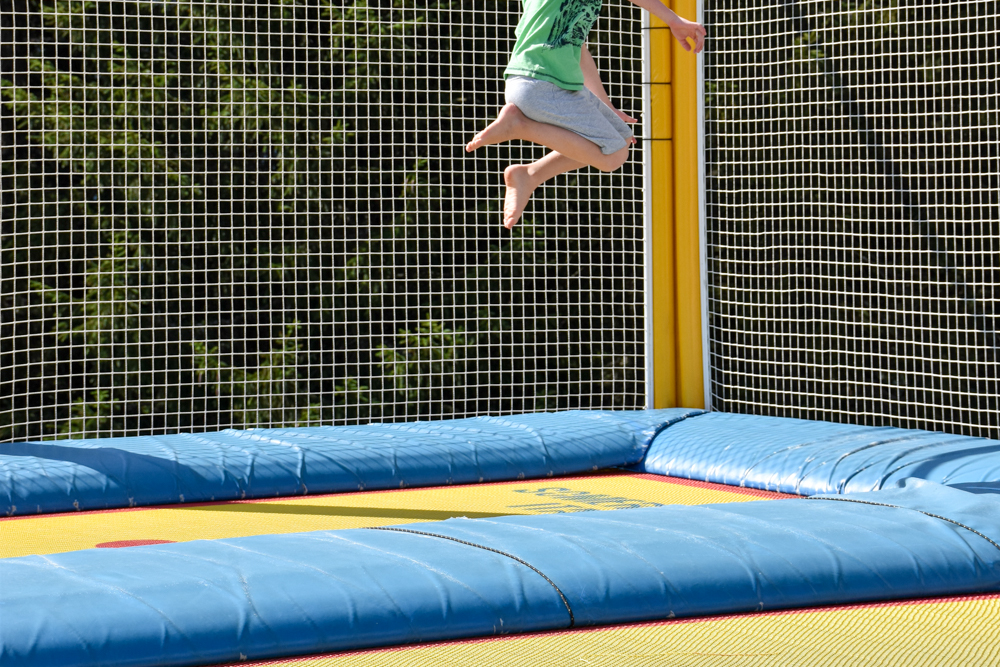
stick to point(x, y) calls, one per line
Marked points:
point(575, 110)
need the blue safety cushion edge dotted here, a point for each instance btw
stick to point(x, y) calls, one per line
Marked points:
point(979, 487)
point(674, 561)
point(281, 595)
point(975, 507)
point(811, 457)
point(67, 475)
point(208, 602)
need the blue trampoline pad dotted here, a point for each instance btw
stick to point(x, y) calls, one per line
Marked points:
point(809, 457)
point(68, 475)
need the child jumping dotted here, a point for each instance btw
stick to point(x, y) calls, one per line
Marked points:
point(555, 96)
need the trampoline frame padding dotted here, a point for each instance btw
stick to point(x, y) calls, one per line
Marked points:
point(810, 457)
point(68, 475)
point(217, 601)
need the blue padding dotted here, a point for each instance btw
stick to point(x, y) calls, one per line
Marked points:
point(37, 477)
point(268, 596)
point(809, 457)
point(979, 487)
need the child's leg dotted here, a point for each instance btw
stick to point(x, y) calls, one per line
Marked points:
point(522, 179)
point(512, 124)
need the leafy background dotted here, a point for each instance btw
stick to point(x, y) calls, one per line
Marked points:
point(259, 213)
point(853, 211)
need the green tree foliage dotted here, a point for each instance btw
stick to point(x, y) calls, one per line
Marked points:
point(239, 214)
point(177, 168)
point(853, 192)
point(427, 366)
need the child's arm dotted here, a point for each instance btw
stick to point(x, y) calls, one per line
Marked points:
point(592, 81)
point(682, 29)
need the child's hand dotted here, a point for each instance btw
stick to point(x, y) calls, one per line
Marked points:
point(628, 119)
point(624, 116)
point(683, 30)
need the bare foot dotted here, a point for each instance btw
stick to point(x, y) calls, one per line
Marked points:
point(519, 189)
point(504, 128)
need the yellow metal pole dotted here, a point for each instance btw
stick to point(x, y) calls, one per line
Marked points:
point(660, 245)
point(675, 280)
point(690, 380)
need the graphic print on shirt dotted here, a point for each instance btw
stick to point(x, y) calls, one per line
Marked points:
point(573, 24)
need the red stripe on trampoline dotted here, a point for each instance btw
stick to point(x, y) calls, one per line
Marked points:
point(131, 543)
point(713, 486)
point(600, 628)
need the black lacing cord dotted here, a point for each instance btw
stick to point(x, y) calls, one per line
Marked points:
point(485, 548)
point(899, 507)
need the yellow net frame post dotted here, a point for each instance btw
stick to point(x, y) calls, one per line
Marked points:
point(671, 83)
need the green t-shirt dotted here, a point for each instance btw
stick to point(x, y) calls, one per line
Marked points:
point(549, 37)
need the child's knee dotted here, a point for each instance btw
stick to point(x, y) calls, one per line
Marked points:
point(613, 161)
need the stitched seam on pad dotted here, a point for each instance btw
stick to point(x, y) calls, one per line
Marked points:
point(900, 507)
point(565, 602)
